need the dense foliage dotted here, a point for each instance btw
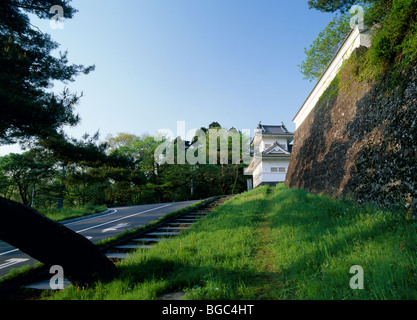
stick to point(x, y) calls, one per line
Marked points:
point(324, 47)
point(395, 38)
point(27, 69)
point(394, 34)
point(39, 177)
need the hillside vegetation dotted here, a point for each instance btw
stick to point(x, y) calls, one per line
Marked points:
point(360, 139)
point(274, 243)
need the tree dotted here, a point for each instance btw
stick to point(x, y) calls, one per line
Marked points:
point(332, 5)
point(27, 69)
point(142, 150)
point(28, 113)
point(122, 139)
point(328, 41)
point(222, 172)
point(376, 10)
point(324, 47)
point(393, 34)
point(147, 170)
point(26, 173)
point(214, 125)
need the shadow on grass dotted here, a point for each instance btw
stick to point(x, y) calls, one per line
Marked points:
point(199, 282)
point(330, 236)
point(204, 266)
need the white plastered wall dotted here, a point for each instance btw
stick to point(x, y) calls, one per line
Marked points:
point(356, 39)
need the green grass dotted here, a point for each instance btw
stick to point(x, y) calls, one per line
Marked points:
point(67, 213)
point(316, 239)
point(72, 212)
point(274, 243)
point(128, 233)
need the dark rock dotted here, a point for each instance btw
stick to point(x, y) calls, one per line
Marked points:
point(358, 145)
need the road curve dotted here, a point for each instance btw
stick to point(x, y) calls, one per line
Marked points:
point(96, 228)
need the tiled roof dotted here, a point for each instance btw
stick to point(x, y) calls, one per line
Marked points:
point(274, 129)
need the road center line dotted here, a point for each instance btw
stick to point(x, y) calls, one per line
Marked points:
point(83, 220)
point(132, 215)
point(67, 224)
point(4, 253)
point(129, 216)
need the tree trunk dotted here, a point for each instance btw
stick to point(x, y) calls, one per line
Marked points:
point(53, 244)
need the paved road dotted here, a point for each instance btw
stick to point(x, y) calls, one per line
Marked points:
point(95, 229)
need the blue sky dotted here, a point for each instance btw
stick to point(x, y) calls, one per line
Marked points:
point(198, 61)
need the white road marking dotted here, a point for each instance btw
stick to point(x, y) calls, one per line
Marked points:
point(11, 262)
point(4, 253)
point(123, 218)
point(67, 224)
point(82, 220)
point(119, 226)
point(99, 225)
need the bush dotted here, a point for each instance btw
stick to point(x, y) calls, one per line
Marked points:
point(394, 42)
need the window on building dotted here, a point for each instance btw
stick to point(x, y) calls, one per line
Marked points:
point(274, 169)
point(282, 170)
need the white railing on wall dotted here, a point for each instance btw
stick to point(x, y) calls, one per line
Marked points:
point(354, 40)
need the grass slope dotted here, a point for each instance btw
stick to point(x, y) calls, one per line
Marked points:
point(72, 212)
point(274, 243)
